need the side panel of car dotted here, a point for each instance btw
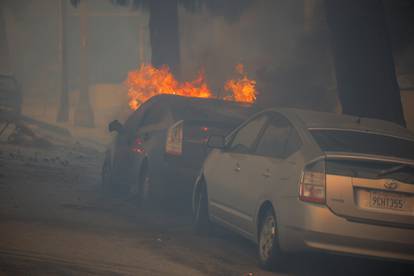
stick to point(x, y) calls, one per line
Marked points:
point(151, 135)
point(261, 166)
point(225, 177)
point(279, 150)
point(132, 145)
point(122, 159)
point(120, 151)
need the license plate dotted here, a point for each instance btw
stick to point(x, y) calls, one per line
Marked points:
point(389, 201)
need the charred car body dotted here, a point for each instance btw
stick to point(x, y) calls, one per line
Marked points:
point(293, 180)
point(160, 148)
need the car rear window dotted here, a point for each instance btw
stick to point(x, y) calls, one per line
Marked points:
point(373, 169)
point(364, 143)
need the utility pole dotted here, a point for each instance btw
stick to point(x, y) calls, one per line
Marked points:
point(63, 112)
point(83, 114)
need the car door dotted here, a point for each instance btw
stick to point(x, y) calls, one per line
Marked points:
point(138, 140)
point(122, 155)
point(269, 168)
point(151, 138)
point(224, 174)
point(150, 131)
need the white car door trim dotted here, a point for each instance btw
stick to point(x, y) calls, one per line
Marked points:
point(230, 210)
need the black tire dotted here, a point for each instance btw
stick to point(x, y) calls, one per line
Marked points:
point(106, 175)
point(201, 220)
point(270, 255)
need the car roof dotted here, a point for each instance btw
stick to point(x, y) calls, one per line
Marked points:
point(180, 105)
point(326, 120)
point(183, 107)
point(177, 100)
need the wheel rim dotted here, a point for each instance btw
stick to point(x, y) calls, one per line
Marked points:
point(267, 236)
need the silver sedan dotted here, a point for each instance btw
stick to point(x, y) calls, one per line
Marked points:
point(294, 180)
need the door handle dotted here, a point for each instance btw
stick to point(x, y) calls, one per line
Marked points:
point(266, 174)
point(237, 168)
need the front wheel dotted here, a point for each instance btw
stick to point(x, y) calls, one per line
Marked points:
point(269, 253)
point(201, 221)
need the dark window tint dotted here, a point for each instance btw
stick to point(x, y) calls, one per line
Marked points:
point(294, 142)
point(244, 139)
point(365, 143)
point(371, 169)
point(153, 116)
point(279, 140)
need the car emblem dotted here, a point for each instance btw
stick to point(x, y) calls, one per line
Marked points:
point(391, 184)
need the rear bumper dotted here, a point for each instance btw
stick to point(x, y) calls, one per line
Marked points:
point(314, 227)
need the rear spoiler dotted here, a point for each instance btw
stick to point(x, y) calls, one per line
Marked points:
point(360, 156)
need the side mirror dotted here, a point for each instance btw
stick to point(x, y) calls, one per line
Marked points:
point(216, 142)
point(115, 126)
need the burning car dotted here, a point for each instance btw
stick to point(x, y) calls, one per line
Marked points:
point(293, 180)
point(159, 150)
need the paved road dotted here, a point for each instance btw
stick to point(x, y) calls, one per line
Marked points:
point(54, 221)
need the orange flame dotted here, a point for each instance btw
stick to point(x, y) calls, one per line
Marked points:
point(149, 81)
point(243, 89)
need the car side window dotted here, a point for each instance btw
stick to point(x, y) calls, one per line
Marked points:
point(279, 140)
point(294, 142)
point(244, 139)
point(153, 116)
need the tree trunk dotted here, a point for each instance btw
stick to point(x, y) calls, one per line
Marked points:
point(83, 113)
point(365, 73)
point(4, 47)
point(63, 112)
point(164, 35)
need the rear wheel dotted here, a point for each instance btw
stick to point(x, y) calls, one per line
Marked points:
point(269, 253)
point(201, 221)
point(138, 189)
point(144, 185)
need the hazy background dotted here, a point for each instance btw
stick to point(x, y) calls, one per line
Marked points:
point(284, 46)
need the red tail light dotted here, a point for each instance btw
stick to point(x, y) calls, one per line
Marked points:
point(313, 183)
point(174, 143)
point(137, 146)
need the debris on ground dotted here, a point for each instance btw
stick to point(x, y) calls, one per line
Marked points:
point(19, 133)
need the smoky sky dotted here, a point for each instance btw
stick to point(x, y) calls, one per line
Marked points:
point(32, 30)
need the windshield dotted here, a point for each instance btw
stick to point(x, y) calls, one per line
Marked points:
point(364, 143)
